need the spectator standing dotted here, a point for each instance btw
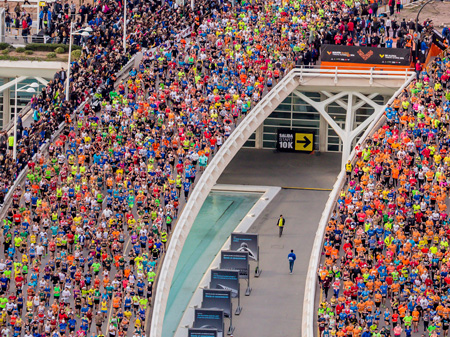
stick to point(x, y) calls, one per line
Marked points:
point(17, 10)
point(391, 7)
point(418, 68)
point(8, 21)
point(25, 30)
point(374, 8)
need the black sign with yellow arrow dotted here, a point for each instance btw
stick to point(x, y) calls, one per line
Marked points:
point(293, 141)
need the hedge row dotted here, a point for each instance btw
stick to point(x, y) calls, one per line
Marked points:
point(29, 58)
point(57, 48)
point(49, 47)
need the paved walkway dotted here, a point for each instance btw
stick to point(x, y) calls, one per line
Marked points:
point(275, 306)
point(270, 168)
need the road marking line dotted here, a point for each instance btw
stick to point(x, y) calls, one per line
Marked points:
point(305, 188)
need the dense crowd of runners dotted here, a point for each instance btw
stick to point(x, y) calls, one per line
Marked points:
point(354, 23)
point(385, 268)
point(84, 234)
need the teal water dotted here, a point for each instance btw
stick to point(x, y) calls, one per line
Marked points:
point(218, 217)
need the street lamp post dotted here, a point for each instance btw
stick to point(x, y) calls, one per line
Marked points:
point(15, 122)
point(30, 88)
point(83, 32)
point(68, 61)
point(417, 17)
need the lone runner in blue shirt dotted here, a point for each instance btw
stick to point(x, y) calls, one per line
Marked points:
point(291, 259)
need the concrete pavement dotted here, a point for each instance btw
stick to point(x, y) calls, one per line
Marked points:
point(267, 167)
point(275, 306)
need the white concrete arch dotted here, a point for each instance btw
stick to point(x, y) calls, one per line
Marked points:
point(341, 79)
point(201, 191)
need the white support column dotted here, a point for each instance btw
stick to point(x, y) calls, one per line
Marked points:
point(323, 129)
point(347, 139)
point(350, 116)
point(346, 149)
point(259, 137)
point(6, 104)
point(327, 94)
point(2, 25)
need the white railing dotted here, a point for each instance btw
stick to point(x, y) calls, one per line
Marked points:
point(308, 320)
point(342, 72)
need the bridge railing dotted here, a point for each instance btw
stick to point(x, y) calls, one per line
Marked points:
point(370, 73)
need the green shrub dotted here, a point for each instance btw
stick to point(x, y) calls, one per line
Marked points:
point(76, 54)
point(29, 52)
point(40, 47)
point(51, 55)
point(4, 45)
point(49, 47)
point(20, 49)
point(59, 50)
point(5, 51)
point(9, 58)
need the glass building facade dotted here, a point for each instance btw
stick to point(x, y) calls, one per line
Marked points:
point(295, 114)
point(23, 98)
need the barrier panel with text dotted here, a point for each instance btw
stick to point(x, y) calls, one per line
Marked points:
point(209, 319)
point(202, 332)
point(247, 242)
point(365, 55)
point(219, 299)
point(227, 280)
point(237, 261)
